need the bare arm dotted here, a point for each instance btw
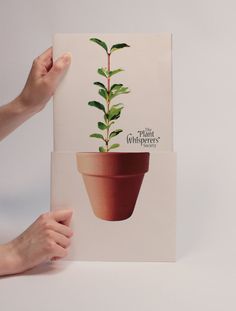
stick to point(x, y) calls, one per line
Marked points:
point(49, 236)
point(41, 84)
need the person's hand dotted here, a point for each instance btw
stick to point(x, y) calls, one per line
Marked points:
point(43, 80)
point(47, 238)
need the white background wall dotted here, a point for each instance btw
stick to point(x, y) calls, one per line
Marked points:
point(204, 94)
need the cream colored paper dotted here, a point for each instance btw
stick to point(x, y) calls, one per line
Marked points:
point(147, 72)
point(149, 234)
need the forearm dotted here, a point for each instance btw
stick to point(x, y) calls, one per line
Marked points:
point(38, 243)
point(8, 261)
point(13, 115)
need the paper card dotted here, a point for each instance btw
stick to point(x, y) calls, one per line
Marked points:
point(113, 159)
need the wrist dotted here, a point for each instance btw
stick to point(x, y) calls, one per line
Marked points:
point(21, 106)
point(10, 262)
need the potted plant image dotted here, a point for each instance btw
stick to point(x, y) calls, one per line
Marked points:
point(112, 179)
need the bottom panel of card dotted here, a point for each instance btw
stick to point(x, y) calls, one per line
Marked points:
point(124, 208)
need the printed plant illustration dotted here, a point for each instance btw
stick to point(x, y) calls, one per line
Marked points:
point(108, 92)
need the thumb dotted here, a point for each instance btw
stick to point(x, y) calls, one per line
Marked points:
point(58, 70)
point(63, 216)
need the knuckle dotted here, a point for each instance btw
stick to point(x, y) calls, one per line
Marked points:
point(44, 219)
point(44, 216)
point(49, 245)
point(48, 226)
point(49, 234)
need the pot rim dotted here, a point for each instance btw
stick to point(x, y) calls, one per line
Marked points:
point(107, 153)
point(112, 163)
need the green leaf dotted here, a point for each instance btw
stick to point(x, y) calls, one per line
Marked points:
point(103, 72)
point(102, 149)
point(120, 105)
point(101, 85)
point(102, 126)
point(113, 72)
point(118, 91)
point(115, 133)
point(115, 86)
point(97, 135)
point(114, 146)
point(118, 46)
point(97, 105)
point(106, 117)
point(100, 42)
point(110, 124)
point(115, 115)
point(103, 93)
point(115, 112)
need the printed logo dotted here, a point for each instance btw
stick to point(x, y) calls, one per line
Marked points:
point(146, 138)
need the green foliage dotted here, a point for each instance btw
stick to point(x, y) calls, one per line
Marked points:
point(97, 135)
point(101, 85)
point(98, 105)
point(110, 124)
point(102, 126)
point(110, 112)
point(115, 133)
point(103, 93)
point(106, 118)
point(113, 72)
point(103, 72)
point(114, 112)
point(102, 149)
point(115, 86)
point(114, 146)
point(114, 47)
point(100, 42)
point(118, 90)
point(118, 46)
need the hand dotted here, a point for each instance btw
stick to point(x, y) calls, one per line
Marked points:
point(43, 80)
point(47, 238)
point(41, 84)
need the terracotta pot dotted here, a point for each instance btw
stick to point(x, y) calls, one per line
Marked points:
point(113, 181)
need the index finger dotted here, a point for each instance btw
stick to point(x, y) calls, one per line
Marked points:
point(63, 216)
point(46, 54)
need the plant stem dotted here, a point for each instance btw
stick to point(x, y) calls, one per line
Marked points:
point(109, 69)
point(108, 91)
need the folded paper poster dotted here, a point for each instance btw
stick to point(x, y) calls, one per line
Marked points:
point(113, 159)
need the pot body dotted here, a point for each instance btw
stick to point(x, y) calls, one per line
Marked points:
point(113, 181)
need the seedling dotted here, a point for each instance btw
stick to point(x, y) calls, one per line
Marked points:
point(108, 92)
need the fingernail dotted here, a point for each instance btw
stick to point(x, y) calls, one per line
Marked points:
point(66, 57)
